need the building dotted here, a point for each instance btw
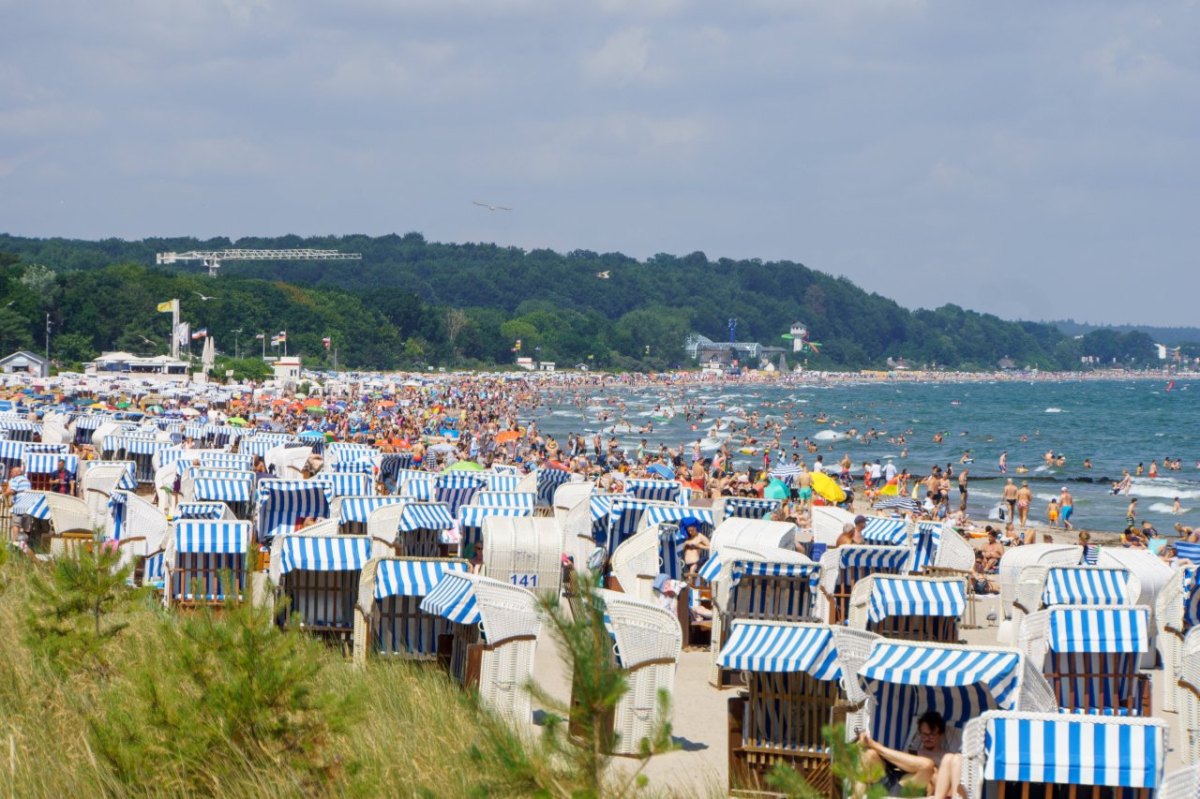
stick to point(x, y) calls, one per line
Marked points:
point(799, 333)
point(287, 370)
point(25, 362)
point(162, 367)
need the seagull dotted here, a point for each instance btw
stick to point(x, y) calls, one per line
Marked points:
point(151, 342)
point(491, 207)
point(604, 275)
point(992, 617)
point(202, 297)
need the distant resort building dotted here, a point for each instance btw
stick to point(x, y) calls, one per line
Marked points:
point(126, 363)
point(725, 355)
point(25, 362)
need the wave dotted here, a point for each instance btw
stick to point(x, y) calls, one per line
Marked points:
point(830, 435)
point(1166, 492)
point(1162, 507)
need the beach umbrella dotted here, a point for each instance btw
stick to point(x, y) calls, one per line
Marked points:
point(902, 504)
point(236, 421)
point(777, 489)
point(892, 489)
point(507, 436)
point(122, 404)
point(825, 485)
point(442, 448)
point(314, 410)
point(463, 466)
point(312, 435)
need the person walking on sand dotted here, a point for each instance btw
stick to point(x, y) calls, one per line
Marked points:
point(1066, 506)
point(1010, 496)
point(1024, 499)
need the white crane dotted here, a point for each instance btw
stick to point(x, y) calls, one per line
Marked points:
point(212, 258)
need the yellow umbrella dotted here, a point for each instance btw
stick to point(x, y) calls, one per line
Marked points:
point(889, 490)
point(825, 485)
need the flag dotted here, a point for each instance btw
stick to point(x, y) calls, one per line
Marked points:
point(199, 334)
point(182, 332)
point(274, 341)
point(166, 307)
point(327, 341)
point(280, 339)
point(260, 336)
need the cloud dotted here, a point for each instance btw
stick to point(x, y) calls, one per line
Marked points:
point(623, 58)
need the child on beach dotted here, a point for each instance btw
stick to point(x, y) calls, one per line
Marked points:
point(1052, 512)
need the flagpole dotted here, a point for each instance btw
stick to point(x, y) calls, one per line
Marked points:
point(175, 329)
point(264, 341)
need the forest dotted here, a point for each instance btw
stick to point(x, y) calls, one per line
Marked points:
point(412, 303)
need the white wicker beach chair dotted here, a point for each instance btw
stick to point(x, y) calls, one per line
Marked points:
point(1182, 783)
point(1177, 610)
point(70, 521)
point(647, 642)
point(206, 563)
point(1009, 571)
point(1188, 699)
point(524, 551)
point(844, 566)
point(495, 633)
point(1028, 754)
point(909, 607)
point(636, 563)
point(97, 481)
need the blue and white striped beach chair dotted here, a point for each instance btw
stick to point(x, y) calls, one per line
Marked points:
point(41, 467)
point(282, 505)
point(1007, 755)
point(902, 680)
point(421, 528)
point(319, 578)
point(501, 481)
point(393, 624)
point(548, 481)
point(457, 489)
point(887, 531)
point(844, 566)
point(506, 499)
point(345, 484)
point(206, 563)
point(925, 545)
point(654, 490)
point(1087, 585)
point(203, 511)
point(909, 607)
point(748, 507)
point(793, 683)
point(1090, 656)
point(355, 512)
point(234, 489)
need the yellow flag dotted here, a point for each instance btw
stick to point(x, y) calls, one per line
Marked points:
point(166, 307)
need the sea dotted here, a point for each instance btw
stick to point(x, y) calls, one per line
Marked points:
point(1114, 424)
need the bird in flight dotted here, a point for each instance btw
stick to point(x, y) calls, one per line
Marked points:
point(491, 207)
point(151, 342)
point(202, 297)
point(604, 275)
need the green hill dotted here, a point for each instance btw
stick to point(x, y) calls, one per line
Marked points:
point(411, 301)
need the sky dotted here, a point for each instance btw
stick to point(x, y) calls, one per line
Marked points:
point(1037, 160)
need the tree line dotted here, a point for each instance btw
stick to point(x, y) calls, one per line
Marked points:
point(411, 302)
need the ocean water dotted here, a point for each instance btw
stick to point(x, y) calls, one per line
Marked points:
point(1116, 424)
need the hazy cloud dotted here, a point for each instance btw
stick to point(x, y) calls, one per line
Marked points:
point(1028, 159)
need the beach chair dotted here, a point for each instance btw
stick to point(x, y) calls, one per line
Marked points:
point(470, 523)
point(547, 481)
point(909, 607)
point(758, 583)
point(844, 566)
point(141, 450)
point(625, 517)
point(1182, 783)
point(1177, 611)
point(318, 581)
point(743, 508)
point(70, 522)
point(235, 489)
point(1090, 656)
point(651, 551)
point(383, 522)
point(140, 530)
point(97, 481)
point(283, 504)
point(420, 529)
point(900, 680)
point(41, 467)
point(457, 489)
point(793, 679)
point(1040, 587)
point(646, 647)
point(204, 511)
point(1153, 575)
point(523, 551)
point(939, 549)
point(492, 647)
point(353, 513)
point(1188, 700)
point(654, 490)
point(1022, 755)
point(206, 563)
point(344, 484)
point(388, 620)
point(1008, 574)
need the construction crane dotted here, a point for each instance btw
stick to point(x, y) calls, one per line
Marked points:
point(212, 259)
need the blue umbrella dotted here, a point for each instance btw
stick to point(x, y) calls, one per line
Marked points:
point(662, 470)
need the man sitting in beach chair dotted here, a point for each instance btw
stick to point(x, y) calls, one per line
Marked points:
point(933, 762)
